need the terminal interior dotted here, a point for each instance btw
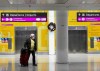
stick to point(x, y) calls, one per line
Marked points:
point(72, 43)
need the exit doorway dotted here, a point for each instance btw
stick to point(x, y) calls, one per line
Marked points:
point(21, 34)
point(77, 39)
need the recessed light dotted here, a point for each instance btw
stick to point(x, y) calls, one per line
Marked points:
point(10, 1)
point(83, 2)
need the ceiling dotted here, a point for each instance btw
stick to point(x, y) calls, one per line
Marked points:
point(37, 1)
point(4, 2)
point(66, 3)
point(50, 1)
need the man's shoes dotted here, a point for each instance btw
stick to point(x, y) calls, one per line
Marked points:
point(34, 64)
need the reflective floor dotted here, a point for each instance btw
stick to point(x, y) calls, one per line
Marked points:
point(76, 62)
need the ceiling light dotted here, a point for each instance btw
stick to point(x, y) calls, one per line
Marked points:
point(83, 2)
point(10, 1)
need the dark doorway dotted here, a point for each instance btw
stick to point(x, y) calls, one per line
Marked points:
point(21, 34)
point(77, 39)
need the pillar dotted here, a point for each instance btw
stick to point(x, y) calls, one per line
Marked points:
point(61, 36)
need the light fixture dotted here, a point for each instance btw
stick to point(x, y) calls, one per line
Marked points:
point(83, 2)
point(10, 1)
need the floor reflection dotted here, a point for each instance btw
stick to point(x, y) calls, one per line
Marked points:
point(47, 63)
point(7, 63)
point(94, 63)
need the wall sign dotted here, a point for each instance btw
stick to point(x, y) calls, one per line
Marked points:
point(88, 16)
point(52, 26)
point(23, 17)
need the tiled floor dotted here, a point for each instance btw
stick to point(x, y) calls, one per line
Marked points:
point(76, 62)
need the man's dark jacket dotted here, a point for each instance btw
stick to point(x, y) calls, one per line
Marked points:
point(27, 44)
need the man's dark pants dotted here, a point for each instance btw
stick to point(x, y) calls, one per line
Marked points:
point(33, 56)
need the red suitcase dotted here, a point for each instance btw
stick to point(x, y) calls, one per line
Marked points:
point(24, 57)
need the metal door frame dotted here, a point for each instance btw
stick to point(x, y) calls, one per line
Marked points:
point(80, 28)
point(25, 26)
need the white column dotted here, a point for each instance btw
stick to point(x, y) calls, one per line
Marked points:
point(51, 34)
point(62, 36)
point(51, 44)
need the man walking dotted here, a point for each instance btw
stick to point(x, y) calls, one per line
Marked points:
point(30, 44)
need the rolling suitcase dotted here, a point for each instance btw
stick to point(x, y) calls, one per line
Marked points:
point(24, 57)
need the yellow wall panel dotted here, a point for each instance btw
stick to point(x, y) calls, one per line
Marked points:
point(93, 31)
point(5, 30)
point(43, 39)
